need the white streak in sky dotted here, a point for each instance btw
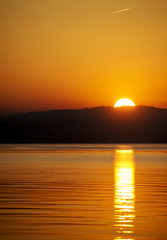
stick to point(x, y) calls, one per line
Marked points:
point(122, 10)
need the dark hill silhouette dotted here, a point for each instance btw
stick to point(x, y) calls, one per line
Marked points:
point(139, 124)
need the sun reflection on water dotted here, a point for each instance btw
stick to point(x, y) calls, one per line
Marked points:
point(124, 197)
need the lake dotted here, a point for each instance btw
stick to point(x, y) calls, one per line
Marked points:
point(83, 192)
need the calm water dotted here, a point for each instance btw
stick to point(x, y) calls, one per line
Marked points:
point(88, 192)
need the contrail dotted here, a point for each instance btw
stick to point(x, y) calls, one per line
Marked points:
point(122, 10)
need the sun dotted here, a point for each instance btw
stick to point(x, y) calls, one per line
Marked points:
point(124, 102)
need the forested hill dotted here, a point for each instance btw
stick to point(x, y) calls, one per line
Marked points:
point(139, 124)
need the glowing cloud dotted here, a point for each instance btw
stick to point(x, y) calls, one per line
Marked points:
point(122, 10)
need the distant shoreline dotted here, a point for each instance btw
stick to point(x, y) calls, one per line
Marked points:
point(140, 124)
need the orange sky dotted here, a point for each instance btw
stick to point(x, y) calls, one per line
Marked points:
point(82, 53)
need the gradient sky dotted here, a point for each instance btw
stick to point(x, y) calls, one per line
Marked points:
point(82, 53)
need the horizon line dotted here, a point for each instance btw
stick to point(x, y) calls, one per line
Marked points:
point(68, 109)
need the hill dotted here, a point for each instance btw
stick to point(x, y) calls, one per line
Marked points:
point(139, 124)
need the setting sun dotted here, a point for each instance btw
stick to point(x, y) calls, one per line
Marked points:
point(124, 102)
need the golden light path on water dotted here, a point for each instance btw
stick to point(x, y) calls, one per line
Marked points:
point(124, 194)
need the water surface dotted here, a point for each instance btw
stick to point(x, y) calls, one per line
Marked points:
point(88, 192)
